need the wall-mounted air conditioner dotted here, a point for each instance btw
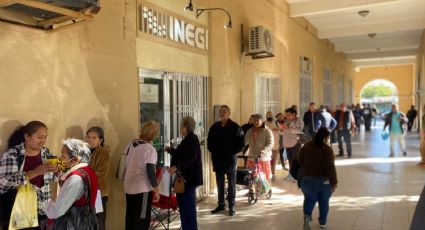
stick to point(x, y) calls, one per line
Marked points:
point(260, 42)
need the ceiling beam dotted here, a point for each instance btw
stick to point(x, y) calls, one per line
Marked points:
point(380, 27)
point(55, 9)
point(393, 44)
point(382, 54)
point(384, 62)
point(4, 3)
point(314, 7)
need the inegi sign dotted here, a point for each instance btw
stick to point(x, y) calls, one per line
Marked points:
point(166, 25)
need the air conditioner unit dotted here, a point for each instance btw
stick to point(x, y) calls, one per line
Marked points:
point(260, 43)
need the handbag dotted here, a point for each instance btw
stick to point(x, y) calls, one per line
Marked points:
point(82, 217)
point(120, 174)
point(179, 181)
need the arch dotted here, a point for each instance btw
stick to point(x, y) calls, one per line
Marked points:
point(381, 102)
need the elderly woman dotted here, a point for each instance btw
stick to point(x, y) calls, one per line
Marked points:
point(26, 157)
point(261, 141)
point(318, 176)
point(99, 162)
point(77, 196)
point(187, 159)
point(140, 184)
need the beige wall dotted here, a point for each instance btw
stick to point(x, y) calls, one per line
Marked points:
point(402, 76)
point(87, 74)
point(72, 79)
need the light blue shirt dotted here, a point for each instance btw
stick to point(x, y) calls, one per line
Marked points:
point(395, 124)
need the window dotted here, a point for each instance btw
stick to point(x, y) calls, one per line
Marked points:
point(305, 84)
point(341, 89)
point(327, 87)
point(267, 95)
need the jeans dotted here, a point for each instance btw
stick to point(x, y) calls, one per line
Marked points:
point(346, 134)
point(316, 189)
point(399, 137)
point(138, 211)
point(231, 186)
point(187, 208)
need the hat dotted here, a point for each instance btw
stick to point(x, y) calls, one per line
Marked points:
point(257, 116)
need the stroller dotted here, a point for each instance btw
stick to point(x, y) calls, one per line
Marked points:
point(255, 180)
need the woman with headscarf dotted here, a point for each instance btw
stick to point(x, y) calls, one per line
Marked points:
point(77, 195)
point(261, 141)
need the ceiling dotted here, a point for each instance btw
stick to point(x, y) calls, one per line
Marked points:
point(48, 14)
point(389, 34)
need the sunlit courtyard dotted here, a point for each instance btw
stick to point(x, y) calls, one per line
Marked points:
point(374, 192)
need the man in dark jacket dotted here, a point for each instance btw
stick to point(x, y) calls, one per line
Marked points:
point(225, 140)
point(309, 120)
point(411, 115)
point(346, 126)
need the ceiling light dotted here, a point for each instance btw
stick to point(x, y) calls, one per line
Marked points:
point(363, 13)
point(189, 6)
point(372, 35)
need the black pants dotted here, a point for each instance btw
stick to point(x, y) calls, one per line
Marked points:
point(410, 124)
point(138, 211)
point(367, 123)
point(231, 186)
point(292, 153)
point(101, 217)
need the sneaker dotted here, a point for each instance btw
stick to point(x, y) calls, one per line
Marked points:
point(307, 222)
point(404, 153)
point(323, 226)
point(232, 211)
point(340, 155)
point(391, 155)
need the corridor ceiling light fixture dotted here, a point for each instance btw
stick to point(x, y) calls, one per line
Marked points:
point(372, 35)
point(363, 13)
point(189, 6)
point(200, 11)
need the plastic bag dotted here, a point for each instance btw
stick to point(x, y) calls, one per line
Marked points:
point(24, 212)
point(261, 183)
point(164, 182)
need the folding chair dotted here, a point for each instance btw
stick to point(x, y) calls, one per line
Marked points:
point(165, 211)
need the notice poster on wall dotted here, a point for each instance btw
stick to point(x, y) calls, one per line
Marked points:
point(149, 93)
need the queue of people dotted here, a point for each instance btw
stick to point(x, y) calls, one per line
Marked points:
point(82, 166)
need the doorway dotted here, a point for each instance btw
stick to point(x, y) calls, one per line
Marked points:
point(167, 97)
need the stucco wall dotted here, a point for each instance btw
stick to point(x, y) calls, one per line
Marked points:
point(402, 76)
point(72, 79)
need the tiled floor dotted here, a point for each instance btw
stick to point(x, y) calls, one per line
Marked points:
point(374, 192)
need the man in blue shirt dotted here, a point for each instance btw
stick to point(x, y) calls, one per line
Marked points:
point(396, 121)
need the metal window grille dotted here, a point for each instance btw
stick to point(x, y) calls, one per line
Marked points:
point(184, 95)
point(267, 95)
point(327, 87)
point(341, 88)
point(305, 84)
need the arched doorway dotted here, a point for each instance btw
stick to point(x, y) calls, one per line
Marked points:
point(379, 93)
